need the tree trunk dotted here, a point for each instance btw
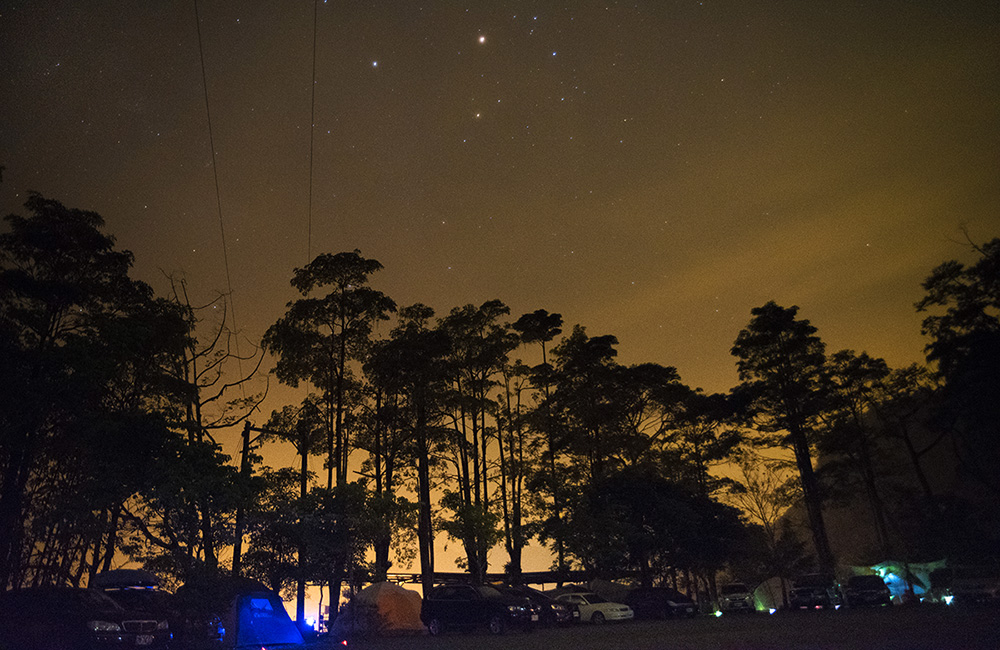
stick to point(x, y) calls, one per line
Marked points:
point(813, 500)
point(425, 534)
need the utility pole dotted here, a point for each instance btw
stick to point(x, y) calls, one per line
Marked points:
point(245, 468)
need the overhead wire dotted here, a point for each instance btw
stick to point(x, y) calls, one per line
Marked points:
point(218, 196)
point(312, 131)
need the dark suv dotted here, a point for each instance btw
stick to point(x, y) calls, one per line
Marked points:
point(466, 606)
point(866, 591)
point(551, 611)
point(736, 597)
point(814, 591)
point(660, 602)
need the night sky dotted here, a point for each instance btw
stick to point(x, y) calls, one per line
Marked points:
point(651, 170)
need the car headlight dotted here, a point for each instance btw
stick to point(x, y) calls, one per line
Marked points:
point(515, 609)
point(104, 626)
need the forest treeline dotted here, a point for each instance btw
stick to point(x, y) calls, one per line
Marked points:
point(491, 428)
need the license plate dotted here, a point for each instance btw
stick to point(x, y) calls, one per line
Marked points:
point(534, 617)
point(144, 639)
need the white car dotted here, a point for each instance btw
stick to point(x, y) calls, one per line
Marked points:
point(595, 609)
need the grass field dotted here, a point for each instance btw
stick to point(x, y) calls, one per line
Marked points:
point(895, 628)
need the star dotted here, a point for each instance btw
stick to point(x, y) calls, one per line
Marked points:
point(482, 39)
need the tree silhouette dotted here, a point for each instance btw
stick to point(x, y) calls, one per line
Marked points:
point(202, 372)
point(303, 428)
point(780, 361)
point(82, 344)
point(480, 343)
point(318, 336)
point(855, 383)
point(413, 364)
point(541, 327)
point(965, 345)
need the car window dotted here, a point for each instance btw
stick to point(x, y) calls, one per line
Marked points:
point(453, 593)
point(728, 590)
point(594, 599)
point(865, 581)
point(814, 580)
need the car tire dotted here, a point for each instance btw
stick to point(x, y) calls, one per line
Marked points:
point(497, 624)
point(435, 627)
point(597, 618)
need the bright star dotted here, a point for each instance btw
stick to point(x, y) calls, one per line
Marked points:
point(482, 39)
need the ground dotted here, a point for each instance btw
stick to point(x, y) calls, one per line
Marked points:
point(895, 628)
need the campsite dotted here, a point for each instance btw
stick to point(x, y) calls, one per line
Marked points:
point(925, 627)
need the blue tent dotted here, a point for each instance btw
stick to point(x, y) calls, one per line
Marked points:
point(237, 614)
point(259, 620)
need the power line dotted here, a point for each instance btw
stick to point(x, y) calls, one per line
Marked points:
point(218, 194)
point(312, 132)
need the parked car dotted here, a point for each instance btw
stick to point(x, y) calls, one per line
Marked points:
point(814, 591)
point(595, 609)
point(866, 591)
point(139, 594)
point(43, 618)
point(975, 585)
point(466, 606)
point(551, 611)
point(736, 597)
point(660, 602)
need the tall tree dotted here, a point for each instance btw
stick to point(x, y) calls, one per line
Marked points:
point(513, 445)
point(855, 384)
point(583, 402)
point(965, 346)
point(385, 434)
point(413, 364)
point(633, 519)
point(780, 361)
point(480, 344)
point(64, 289)
point(702, 438)
point(764, 489)
point(202, 369)
point(542, 327)
point(901, 412)
point(303, 427)
point(318, 337)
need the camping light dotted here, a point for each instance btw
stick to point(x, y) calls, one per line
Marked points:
point(772, 611)
point(718, 613)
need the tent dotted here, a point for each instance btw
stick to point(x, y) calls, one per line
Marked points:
point(235, 613)
point(386, 607)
